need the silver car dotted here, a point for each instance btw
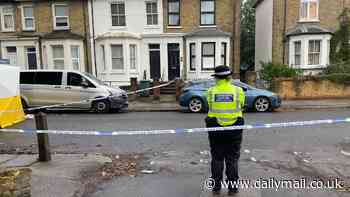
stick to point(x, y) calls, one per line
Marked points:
point(50, 87)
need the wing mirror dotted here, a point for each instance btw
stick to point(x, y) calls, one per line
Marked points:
point(245, 89)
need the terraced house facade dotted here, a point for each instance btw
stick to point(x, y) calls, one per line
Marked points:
point(163, 39)
point(121, 39)
point(45, 34)
point(296, 32)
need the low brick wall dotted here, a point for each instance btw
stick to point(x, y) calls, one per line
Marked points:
point(309, 88)
point(15, 183)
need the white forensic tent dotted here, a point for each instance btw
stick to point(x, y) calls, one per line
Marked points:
point(11, 111)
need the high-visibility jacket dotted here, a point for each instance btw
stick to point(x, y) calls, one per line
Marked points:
point(225, 102)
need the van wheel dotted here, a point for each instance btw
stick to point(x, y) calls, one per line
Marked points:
point(101, 106)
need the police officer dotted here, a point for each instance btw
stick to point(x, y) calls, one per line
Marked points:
point(226, 102)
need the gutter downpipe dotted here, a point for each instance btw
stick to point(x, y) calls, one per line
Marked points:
point(93, 35)
point(86, 37)
point(284, 30)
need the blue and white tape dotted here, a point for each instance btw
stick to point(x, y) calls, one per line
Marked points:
point(181, 130)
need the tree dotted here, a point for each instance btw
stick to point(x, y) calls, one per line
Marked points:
point(248, 33)
point(340, 47)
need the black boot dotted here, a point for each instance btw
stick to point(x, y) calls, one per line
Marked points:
point(232, 189)
point(217, 188)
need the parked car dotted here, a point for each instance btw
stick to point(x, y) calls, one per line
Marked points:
point(50, 87)
point(193, 97)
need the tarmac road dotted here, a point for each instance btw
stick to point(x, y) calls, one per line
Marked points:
point(180, 162)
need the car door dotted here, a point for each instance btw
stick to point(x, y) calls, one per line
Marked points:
point(76, 92)
point(47, 89)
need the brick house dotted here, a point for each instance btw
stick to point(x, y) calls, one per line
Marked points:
point(296, 32)
point(45, 34)
point(163, 39)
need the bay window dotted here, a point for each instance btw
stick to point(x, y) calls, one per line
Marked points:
point(208, 55)
point(223, 53)
point(314, 52)
point(133, 56)
point(75, 53)
point(58, 56)
point(117, 57)
point(297, 53)
point(192, 56)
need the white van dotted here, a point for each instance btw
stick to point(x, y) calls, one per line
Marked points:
point(50, 87)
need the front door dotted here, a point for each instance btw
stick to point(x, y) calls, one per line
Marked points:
point(173, 61)
point(31, 58)
point(154, 57)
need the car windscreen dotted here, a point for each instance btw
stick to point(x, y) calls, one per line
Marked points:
point(94, 79)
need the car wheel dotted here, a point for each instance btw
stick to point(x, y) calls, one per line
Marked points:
point(195, 105)
point(262, 104)
point(101, 106)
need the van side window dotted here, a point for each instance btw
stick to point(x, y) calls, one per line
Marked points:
point(75, 79)
point(27, 77)
point(48, 78)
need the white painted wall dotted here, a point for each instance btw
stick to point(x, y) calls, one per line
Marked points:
point(205, 74)
point(263, 33)
point(136, 20)
point(21, 59)
point(122, 77)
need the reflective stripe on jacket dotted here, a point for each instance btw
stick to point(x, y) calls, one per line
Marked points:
point(226, 102)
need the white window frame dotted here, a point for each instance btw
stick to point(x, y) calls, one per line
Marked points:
point(133, 59)
point(54, 16)
point(103, 57)
point(192, 56)
point(24, 19)
point(3, 29)
point(152, 13)
point(118, 15)
point(203, 56)
point(300, 53)
point(54, 59)
point(77, 59)
point(307, 18)
point(122, 57)
point(313, 53)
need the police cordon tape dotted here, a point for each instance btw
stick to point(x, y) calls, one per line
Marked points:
point(180, 130)
point(87, 100)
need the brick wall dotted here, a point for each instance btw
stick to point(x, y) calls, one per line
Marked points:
point(309, 88)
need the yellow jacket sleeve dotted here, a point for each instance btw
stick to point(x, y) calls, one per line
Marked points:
point(241, 97)
point(209, 97)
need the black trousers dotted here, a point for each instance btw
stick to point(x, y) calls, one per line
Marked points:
point(225, 148)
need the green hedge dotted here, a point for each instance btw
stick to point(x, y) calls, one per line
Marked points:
point(271, 71)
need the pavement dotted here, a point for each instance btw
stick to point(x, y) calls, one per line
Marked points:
point(169, 104)
point(57, 178)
